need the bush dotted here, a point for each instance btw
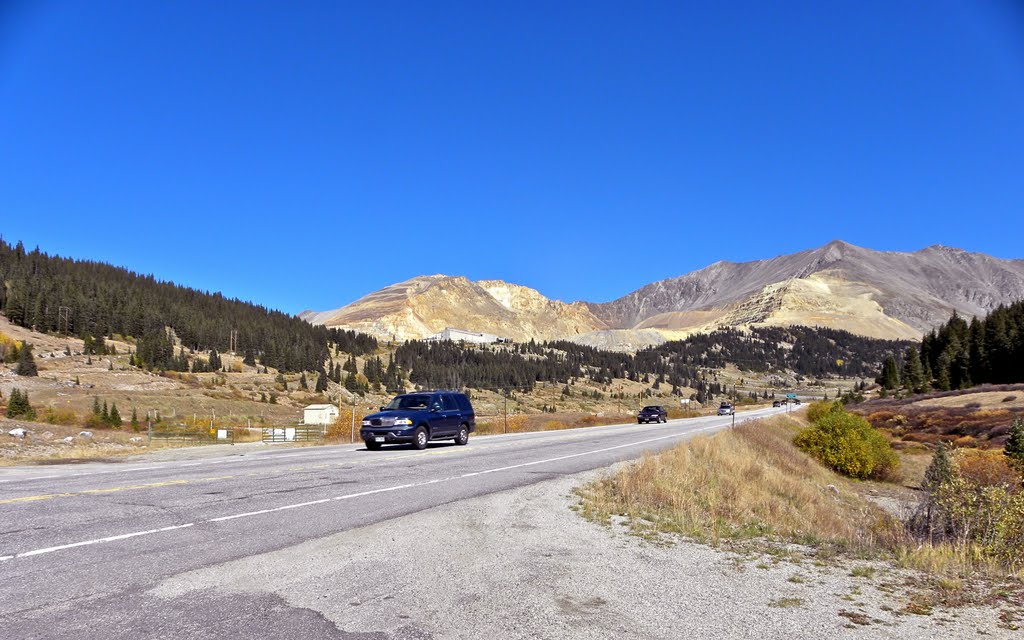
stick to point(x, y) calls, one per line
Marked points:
point(848, 444)
point(60, 416)
point(817, 410)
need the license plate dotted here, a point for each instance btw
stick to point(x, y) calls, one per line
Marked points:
point(379, 439)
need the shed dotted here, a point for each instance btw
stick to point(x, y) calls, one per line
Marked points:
point(321, 414)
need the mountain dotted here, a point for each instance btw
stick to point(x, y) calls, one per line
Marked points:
point(880, 294)
point(425, 305)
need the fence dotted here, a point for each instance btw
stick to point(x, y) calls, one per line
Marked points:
point(192, 436)
point(293, 434)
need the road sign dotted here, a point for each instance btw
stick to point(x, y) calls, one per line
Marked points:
point(790, 395)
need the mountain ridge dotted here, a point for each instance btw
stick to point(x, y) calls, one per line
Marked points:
point(883, 294)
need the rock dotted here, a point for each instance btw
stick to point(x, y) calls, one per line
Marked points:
point(69, 439)
point(135, 439)
point(833, 489)
point(18, 433)
point(85, 434)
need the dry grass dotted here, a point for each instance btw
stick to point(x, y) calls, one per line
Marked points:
point(750, 482)
point(548, 422)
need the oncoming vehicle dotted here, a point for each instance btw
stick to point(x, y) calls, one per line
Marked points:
point(418, 418)
point(726, 409)
point(653, 413)
point(777, 403)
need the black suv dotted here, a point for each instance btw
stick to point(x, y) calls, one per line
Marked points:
point(653, 413)
point(418, 418)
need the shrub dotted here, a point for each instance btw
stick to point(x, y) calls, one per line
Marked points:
point(818, 409)
point(986, 468)
point(1009, 398)
point(848, 444)
point(60, 416)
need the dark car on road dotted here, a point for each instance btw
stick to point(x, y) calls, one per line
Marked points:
point(653, 413)
point(777, 403)
point(418, 418)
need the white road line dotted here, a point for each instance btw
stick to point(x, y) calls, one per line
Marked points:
point(350, 496)
point(123, 536)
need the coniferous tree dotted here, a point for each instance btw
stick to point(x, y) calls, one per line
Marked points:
point(26, 363)
point(321, 382)
point(1014, 448)
point(890, 377)
point(302, 382)
point(913, 373)
point(115, 416)
point(96, 406)
point(135, 420)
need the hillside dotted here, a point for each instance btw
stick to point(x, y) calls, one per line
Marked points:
point(82, 298)
point(425, 305)
point(881, 294)
point(878, 294)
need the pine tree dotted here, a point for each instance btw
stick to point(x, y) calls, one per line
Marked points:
point(890, 378)
point(26, 363)
point(1014, 447)
point(135, 420)
point(321, 382)
point(302, 382)
point(105, 414)
point(939, 471)
point(115, 416)
point(95, 406)
point(913, 373)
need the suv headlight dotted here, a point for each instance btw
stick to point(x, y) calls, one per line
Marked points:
point(366, 423)
point(400, 422)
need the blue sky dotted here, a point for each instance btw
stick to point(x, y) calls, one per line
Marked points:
point(303, 154)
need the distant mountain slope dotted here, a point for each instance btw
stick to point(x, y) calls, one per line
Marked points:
point(890, 295)
point(876, 293)
point(425, 305)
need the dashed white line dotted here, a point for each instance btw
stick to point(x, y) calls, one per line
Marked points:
point(123, 536)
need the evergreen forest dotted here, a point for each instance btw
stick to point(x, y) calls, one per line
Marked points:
point(91, 300)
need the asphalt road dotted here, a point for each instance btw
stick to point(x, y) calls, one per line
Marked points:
point(82, 547)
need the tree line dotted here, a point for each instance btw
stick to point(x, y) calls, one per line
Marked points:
point(93, 300)
point(961, 354)
point(812, 352)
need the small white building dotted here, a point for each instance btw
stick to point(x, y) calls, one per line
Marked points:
point(321, 414)
point(460, 335)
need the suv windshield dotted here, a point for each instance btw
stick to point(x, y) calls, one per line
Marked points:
point(408, 402)
point(652, 408)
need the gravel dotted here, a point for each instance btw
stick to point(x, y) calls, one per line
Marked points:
point(522, 564)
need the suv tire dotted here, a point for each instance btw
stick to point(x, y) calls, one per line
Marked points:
point(420, 438)
point(463, 438)
point(372, 446)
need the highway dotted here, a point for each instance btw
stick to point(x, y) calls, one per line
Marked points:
point(82, 546)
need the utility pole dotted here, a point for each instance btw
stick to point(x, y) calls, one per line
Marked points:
point(64, 317)
point(353, 418)
point(506, 411)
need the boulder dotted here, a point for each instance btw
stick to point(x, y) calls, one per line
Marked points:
point(69, 439)
point(85, 434)
point(19, 432)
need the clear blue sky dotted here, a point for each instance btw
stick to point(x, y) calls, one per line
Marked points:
point(302, 154)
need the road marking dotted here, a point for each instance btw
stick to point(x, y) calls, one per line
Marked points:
point(123, 536)
point(47, 496)
point(350, 496)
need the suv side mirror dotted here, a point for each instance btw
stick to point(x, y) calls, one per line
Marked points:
point(383, 409)
point(435, 407)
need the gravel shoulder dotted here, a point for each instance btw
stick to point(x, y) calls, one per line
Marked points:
point(524, 565)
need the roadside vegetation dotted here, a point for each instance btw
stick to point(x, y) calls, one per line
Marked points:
point(752, 489)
